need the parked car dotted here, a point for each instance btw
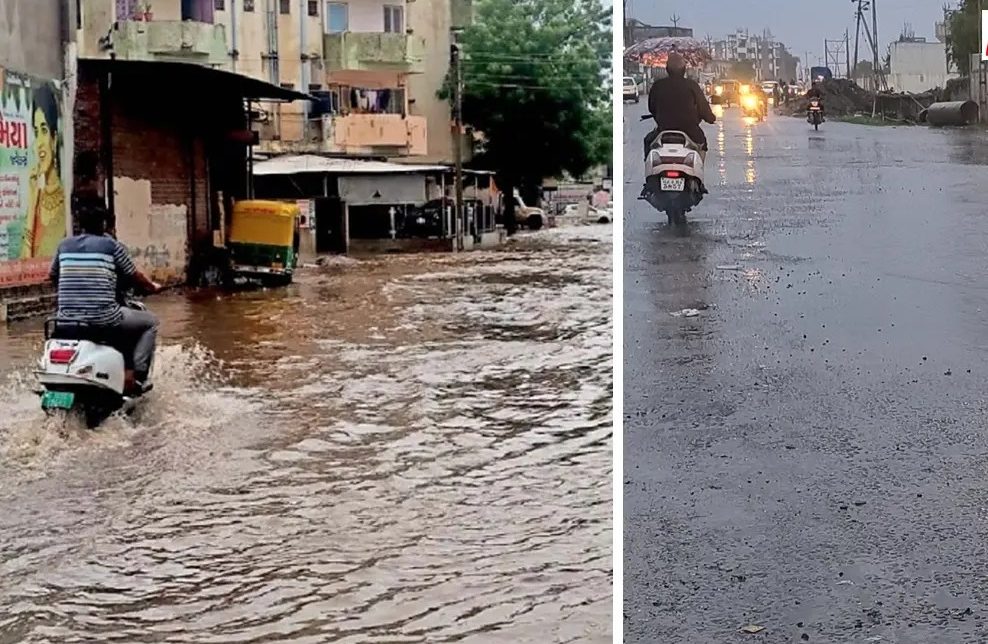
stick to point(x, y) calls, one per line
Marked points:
point(529, 216)
point(632, 92)
point(600, 216)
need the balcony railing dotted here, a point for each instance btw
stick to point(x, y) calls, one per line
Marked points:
point(354, 51)
point(389, 135)
point(168, 40)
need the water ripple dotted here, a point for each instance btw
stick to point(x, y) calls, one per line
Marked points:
point(402, 450)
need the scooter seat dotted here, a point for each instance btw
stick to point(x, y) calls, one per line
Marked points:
point(56, 329)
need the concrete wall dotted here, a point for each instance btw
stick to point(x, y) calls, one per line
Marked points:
point(431, 19)
point(393, 189)
point(31, 37)
point(368, 15)
point(32, 42)
point(248, 34)
point(918, 67)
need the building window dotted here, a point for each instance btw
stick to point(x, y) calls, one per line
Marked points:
point(286, 7)
point(313, 7)
point(248, 5)
point(394, 19)
point(337, 17)
point(219, 5)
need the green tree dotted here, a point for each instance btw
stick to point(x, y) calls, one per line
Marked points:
point(963, 39)
point(536, 78)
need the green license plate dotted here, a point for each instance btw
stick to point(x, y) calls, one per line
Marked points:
point(57, 400)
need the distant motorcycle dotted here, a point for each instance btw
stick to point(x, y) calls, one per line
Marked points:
point(815, 113)
point(674, 175)
point(753, 107)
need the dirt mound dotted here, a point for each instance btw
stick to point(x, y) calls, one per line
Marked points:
point(841, 97)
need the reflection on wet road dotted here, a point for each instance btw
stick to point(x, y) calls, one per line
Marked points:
point(809, 453)
point(412, 449)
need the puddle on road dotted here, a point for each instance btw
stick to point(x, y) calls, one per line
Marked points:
point(408, 448)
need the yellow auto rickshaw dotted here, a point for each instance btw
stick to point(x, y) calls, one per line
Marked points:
point(263, 241)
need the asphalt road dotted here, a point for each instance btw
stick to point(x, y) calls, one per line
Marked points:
point(809, 454)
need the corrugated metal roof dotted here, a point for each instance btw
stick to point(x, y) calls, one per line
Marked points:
point(311, 163)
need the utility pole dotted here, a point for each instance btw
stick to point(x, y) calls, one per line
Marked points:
point(875, 41)
point(857, 37)
point(457, 69)
point(847, 51)
point(982, 76)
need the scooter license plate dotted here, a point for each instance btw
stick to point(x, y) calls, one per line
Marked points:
point(57, 400)
point(672, 185)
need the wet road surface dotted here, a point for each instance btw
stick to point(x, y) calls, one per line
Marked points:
point(411, 449)
point(810, 453)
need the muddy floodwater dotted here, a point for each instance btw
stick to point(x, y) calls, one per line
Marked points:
point(405, 449)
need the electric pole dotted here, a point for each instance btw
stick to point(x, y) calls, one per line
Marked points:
point(857, 37)
point(875, 41)
point(847, 51)
point(457, 69)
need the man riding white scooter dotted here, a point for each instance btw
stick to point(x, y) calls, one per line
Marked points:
point(678, 103)
point(89, 270)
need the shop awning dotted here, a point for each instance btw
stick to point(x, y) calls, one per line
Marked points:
point(304, 163)
point(193, 76)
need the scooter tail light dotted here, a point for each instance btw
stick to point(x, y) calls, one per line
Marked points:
point(674, 174)
point(61, 356)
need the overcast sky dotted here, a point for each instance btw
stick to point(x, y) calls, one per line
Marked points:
point(800, 24)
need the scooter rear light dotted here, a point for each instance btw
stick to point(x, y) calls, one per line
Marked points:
point(674, 174)
point(61, 356)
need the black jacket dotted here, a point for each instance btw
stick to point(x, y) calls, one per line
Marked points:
point(679, 104)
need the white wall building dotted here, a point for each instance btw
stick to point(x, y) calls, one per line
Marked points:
point(918, 66)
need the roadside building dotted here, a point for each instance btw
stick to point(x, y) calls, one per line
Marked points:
point(360, 206)
point(916, 66)
point(374, 67)
point(436, 22)
point(36, 147)
point(168, 168)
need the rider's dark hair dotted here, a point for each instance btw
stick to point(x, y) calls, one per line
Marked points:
point(91, 215)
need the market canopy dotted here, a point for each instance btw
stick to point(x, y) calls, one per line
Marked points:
point(655, 51)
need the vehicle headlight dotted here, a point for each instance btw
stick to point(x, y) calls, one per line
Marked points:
point(745, 89)
point(719, 90)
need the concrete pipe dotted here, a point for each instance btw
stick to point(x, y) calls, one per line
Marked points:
point(953, 113)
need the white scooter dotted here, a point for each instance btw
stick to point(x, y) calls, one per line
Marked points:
point(674, 178)
point(82, 372)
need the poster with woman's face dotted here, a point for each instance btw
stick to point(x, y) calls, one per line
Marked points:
point(33, 198)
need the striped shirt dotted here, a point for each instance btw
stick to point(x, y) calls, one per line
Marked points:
point(86, 269)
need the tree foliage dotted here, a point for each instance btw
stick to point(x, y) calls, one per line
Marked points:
point(537, 86)
point(963, 38)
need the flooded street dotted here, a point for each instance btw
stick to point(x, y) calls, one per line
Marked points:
point(808, 452)
point(405, 449)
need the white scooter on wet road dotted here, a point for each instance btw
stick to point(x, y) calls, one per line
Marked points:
point(674, 175)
